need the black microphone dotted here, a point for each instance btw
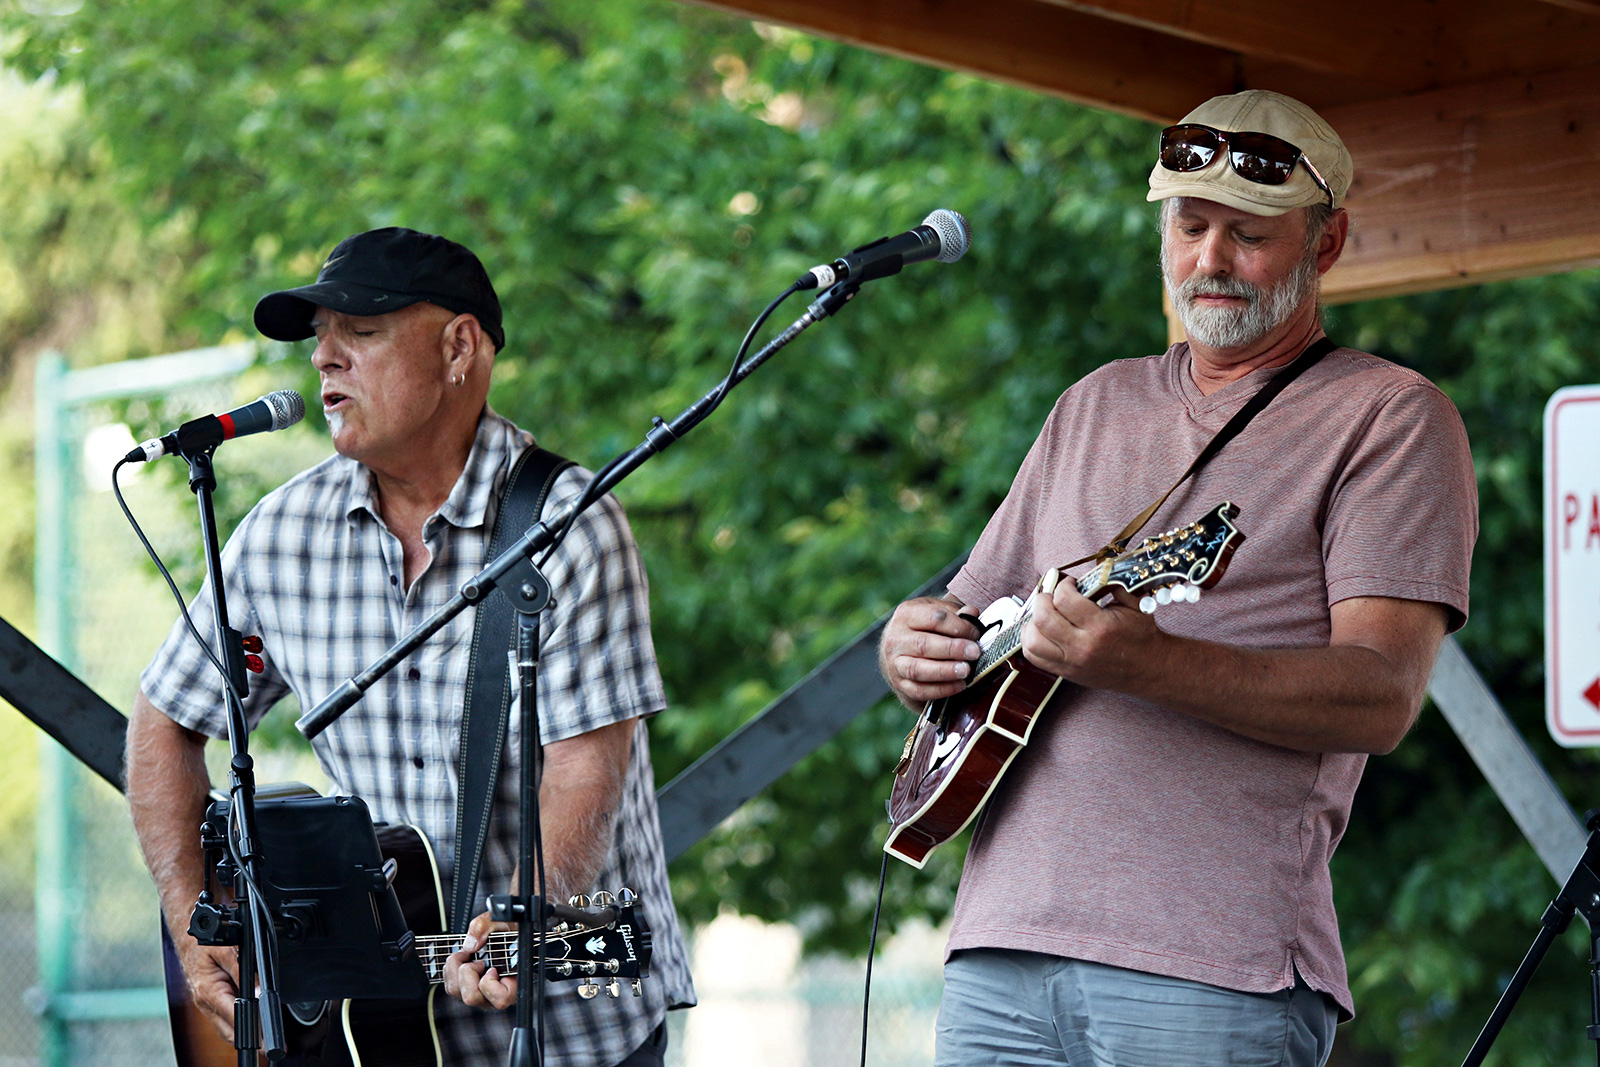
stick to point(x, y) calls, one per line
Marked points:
point(944, 235)
point(271, 412)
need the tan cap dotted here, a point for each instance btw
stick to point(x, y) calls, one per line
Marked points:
point(1261, 111)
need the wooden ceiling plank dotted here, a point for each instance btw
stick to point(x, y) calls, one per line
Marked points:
point(1268, 29)
point(1470, 184)
point(1038, 46)
point(1582, 7)
point(1394, 47)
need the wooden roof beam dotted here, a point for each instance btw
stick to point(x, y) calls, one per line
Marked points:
point(1471, 184)
point(1039, 46)
point(1300, 35)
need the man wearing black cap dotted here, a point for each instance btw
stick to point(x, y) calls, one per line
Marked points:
point(1149, 883)
point(334, 566)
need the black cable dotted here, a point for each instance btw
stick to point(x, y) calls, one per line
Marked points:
point(183, 608)
point(872, 947)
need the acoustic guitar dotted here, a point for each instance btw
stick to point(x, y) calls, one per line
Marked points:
point(962, 745)
point(612, 946)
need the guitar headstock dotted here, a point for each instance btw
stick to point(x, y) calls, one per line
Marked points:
point(609, 940)
point(1178, 564)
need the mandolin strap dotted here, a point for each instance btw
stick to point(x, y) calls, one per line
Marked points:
point(1252, 407)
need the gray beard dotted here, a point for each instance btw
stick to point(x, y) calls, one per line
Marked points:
point(1231, 327)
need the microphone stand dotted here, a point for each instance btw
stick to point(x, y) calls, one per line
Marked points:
point(257, 937)
point(529, 592)
point(541, 535)
point(1580, 895)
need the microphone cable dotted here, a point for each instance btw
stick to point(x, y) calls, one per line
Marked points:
point(183, 608)
point(872, 948)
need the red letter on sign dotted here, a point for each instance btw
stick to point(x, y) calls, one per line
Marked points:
point(1594, 521)
point(1569, 512)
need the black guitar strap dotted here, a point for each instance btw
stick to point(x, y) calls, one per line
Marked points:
point(1252, 407)
point(487, 706)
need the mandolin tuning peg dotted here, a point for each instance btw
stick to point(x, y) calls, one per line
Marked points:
point(1193, 593)
point(578, 900)
point(1164, 596)
point(1147, 605)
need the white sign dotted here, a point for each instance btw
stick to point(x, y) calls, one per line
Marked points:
point(1572, 565)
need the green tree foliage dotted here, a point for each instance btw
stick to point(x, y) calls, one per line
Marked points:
point(641, 178)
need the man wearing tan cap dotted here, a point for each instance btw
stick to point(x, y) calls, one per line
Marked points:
point(1149, 882)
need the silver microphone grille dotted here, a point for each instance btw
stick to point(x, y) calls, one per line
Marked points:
point(288, 407)
point(954, 234)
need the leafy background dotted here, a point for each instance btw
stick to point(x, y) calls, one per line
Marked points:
point(640, 178)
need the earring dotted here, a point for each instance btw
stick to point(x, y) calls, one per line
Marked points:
point(458, 380)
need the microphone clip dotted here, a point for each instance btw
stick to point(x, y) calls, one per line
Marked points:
point(834, 298)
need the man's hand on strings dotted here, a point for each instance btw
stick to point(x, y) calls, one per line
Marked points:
point(474, 982)
point(1113, 646)
point(927, 650)
point(212, 973)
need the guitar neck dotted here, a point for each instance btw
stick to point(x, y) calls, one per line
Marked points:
point(500, 953)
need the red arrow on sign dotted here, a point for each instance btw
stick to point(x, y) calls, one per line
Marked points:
point(1592, 694)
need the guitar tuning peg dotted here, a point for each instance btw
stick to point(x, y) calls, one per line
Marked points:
point(603, 899)
point(638, 987)
point(1147, 605)
point(588, 990)
point(613, 989)
point(626, 896)
point(578, 900)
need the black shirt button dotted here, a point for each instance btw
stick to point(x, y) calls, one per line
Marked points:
point(416, 761)
point(414, 674)
point(394, 579)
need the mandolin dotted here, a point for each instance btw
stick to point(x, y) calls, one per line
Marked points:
point(962, 745)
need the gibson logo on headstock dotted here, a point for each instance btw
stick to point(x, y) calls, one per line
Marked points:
point(626, 930)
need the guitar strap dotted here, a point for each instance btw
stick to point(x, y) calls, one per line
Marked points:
point(1252, 407)
point(487, 706)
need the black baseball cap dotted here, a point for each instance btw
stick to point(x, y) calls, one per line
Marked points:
point(385, 270)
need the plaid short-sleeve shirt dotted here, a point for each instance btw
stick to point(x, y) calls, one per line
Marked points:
point(315, 572)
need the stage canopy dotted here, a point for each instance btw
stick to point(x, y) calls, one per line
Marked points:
point(1474, 124)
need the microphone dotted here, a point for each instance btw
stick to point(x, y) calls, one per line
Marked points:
point(271, 412)
point(944, 235)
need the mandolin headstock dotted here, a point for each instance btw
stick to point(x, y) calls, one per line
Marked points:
point(1176, 565)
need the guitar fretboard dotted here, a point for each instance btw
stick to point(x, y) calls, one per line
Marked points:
point(434, 949)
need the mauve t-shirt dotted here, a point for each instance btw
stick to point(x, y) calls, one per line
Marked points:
point(1139, 837)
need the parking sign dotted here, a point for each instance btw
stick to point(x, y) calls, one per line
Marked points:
point(1572, 565)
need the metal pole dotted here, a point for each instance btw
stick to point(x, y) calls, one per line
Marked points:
point(56, 902)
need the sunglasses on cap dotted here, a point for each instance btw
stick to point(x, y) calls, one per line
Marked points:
point(1256, 157)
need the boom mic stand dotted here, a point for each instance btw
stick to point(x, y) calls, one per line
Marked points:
point(529, 591)
point(257, 939)
point(1580, 894)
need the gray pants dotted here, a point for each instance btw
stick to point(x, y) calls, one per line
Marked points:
point(1005, 1007)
